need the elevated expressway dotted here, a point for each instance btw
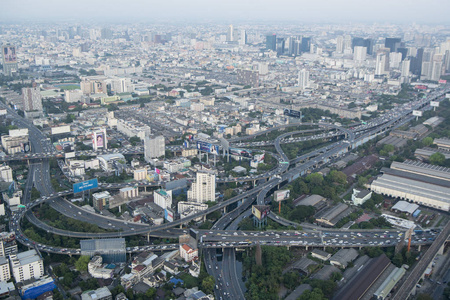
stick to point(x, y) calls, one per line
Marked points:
point(324, 154)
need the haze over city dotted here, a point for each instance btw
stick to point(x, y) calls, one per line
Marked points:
point(202, 11)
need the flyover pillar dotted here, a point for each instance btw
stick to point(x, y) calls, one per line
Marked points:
point(441, 250)
point(419, 248)
point(148, 237)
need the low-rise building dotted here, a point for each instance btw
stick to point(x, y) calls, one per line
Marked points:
point(322, 255)
point(188, 253)
point(360, 196)
point(98, 294)
point(101, 200)
point(343, 257)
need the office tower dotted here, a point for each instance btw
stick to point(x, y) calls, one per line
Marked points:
point(395, 58)
point(382, 62)
point(437, 66)
point(403, 51)
point(392, 44)
point(271, 42)
point(368, 43)
point(32, 100)
point(280, 46)
point(303, 79)
point(406, 64)
point(204, 188)
point(154, 146)
point(359, 54)
point(306, 44)
point(106, 34)
point(243, 37)
point(416, 62)
point(427, 64)
point(340, 44)
point(447, 61)
point(347, 43)
point(230, 34)
point(9, 55)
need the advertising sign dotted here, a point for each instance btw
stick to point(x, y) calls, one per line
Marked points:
point(85, 185)
point(25, 147)
point(260, 211)
point(293, 113)
point(99, 137)
point(434, 103)
point(208, 147)
point(281, 195)
point(9, 54)
point(417, 113)
point(240, 152)
point(168, 215)
point(259, 158)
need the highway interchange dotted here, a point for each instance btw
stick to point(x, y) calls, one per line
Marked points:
point(218, 238)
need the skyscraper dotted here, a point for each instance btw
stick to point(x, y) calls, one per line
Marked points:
point(340, 44)
point(359, 54)
point(204, 188)
point(427, 64)
point(154, 146)
point(303, 79)
point(382, 62)
point(230, 34)
point(32, 100)
point(437, 66)
point(271, 42)
point(243, 37)
point(306, 44)
point(9, 60)
point(392, 44)
point(405, 67)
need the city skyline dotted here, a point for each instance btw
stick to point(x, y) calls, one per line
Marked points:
point(200, 11)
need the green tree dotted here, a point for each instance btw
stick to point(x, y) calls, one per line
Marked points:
point(437, 159)
point(315, 294)
point(427, 141)
point(82, 263)
point(208, 285)
point(150, 293)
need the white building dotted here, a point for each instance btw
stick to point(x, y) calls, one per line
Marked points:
point(204, 188)
point(27, 265)
point(185, 209)
point(154, 146)
point(187, 253)
point(6, 173)
point(303, 79)
point(360, 54)
point(73, 96)
point(32, 100)
point(163, 198)
point(129, 192)
point(360, 196)
point(5, 273)
point(132, 128)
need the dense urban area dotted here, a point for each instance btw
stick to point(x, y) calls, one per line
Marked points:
point(224, 161)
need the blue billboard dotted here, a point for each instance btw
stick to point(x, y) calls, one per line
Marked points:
point(208, 147)
point(85, 185)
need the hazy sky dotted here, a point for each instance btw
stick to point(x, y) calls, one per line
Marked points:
point(401, 11)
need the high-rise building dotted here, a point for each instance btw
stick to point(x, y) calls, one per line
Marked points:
point(204, 188)
point(340, 44)
point(230, 34)
point(406, 67)
point(271, 42)
point(427, 64)
point(392, 44)
point(306, 44)
point(5, 273)
point(27, 265)
point(395, 58)
point(437, 66)
point(347, 43)
point(248, 77)
point(106, 34)
point(32, 100)
point(303, 79)
point(154, 146)
point(243, 37)
point(382, 62)
point(359, 54)
point(6, 173)
point(9, 56)
point(280, 46)
point(368, 43)
point(163, 198)
point(416, 62)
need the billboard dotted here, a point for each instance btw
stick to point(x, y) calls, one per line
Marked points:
point(208, 147)
point(259, 158)
point(260, 211)
point(417, 113)
point(85, 185)
point(60, 129)
point(292, 113)
point(99, 140)
point(281, 195)
point(168, 214)
point(9, 54)
point(434, 103)
point(240, 152)
point(25, 147)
